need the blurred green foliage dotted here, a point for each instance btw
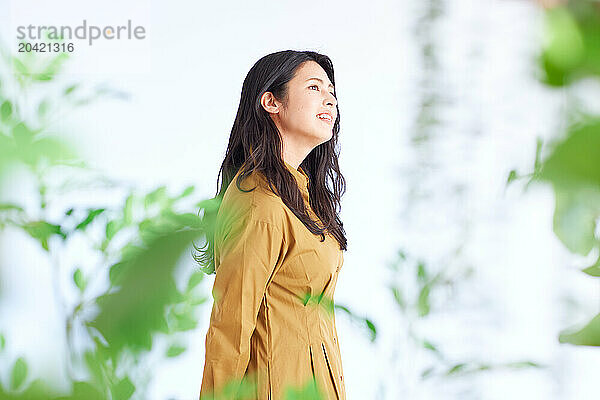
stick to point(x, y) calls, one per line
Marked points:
point(572, 43)
point(422, 292)
point(329, 307)
point(571, 53)
point(245, 390)
point(140, 245)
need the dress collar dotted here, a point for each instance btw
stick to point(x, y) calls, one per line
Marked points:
point(301, 177)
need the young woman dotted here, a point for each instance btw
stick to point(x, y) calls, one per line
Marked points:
point(278, 240)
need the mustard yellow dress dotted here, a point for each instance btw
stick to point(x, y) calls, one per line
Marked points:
point(272, 323)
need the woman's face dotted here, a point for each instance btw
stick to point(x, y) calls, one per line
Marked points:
point(308, 116)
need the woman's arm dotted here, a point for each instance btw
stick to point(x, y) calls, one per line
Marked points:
point(249, 255)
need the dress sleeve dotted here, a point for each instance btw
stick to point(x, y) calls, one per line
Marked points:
point(247, 259)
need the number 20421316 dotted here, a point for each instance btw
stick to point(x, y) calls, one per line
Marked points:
point(46, 47)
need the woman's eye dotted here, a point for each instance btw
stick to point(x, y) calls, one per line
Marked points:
point(317, 86)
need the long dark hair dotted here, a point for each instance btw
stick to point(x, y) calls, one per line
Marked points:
point(255, 145)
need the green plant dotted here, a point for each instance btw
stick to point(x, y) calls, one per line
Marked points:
point(137, 246)
point(571, 53)
point(422, 292)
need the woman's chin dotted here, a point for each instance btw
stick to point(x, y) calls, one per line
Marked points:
point(327, 136)
point(320, 135)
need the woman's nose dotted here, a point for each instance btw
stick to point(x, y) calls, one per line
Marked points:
point(331, 100)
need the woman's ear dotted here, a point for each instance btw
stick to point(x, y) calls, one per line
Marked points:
point(270, 103)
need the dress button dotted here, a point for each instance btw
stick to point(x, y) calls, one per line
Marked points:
point(341, 378)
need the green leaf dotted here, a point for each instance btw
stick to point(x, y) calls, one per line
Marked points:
point(9, 206)
point(195, 279)
point(538, 154)
point(2, 342)
point(156, 196)
point(306, 297)
point(337, 306)
point(401, 255)
point(43, 108)
point(483, 367)
point(20, 67)
point(399, 298)
point(112, 227)
point(589, 335)
point(53, 149)
point(123, 390)
point(574, 161)
point(423, 306)
point(32, 151)
point(185, 322)
point(421, 273)
point(128, 210)
point(565, 46)
point(92, 213)
point(42, 231)
point(309, 391)
point(593, 270)
point(456, 369)
point(129, 316)
point(511, 177)
point(575, 217)
point(18, 373)
point(23, 135)
point(186, 192)
point(79, 280)
point(429, 346)
point(523, 364)
point(427, 372)
point(372, 329)
point(6, 111)
point(175, 350)
point(70, 89)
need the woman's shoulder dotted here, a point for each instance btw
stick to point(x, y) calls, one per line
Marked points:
point(260, 204)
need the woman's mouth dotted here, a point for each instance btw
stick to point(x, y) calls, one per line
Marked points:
point(325, 118)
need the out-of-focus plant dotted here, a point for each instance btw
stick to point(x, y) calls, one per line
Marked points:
point(246, 390)
point(138, 246)
point(421, 293)
point(570, 54)
point(571, 49)
point(329, 306)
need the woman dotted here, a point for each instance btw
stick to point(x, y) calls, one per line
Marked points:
point(278, 239)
